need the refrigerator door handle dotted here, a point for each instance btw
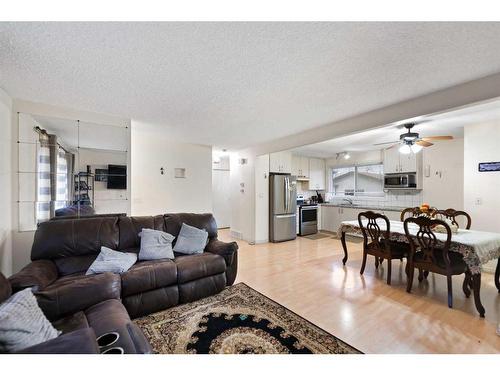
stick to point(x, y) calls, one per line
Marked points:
point(286, 193)
point(285, 216)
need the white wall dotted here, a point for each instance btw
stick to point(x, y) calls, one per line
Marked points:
point(444, 188)
point(242, 179)
point(154, 193)
point(481, 145)
point(6, 175)
point(261, 234)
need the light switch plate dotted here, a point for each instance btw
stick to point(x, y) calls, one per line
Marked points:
point(479, 201)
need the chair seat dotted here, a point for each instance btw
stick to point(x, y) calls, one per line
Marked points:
point(457, 263)
point(397, 249)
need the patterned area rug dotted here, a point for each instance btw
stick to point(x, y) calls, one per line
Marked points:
point(239, 320)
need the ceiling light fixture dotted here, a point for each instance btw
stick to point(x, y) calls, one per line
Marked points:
point(344, 154)
point(405, 148)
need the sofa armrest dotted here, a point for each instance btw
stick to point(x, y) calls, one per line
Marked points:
point(69, 296)
point(224, 249)
point(82, 341)
point(37, 275)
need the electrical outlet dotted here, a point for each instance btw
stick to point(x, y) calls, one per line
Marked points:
point(479, 201)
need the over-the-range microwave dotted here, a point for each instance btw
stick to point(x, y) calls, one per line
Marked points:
point(400, 181)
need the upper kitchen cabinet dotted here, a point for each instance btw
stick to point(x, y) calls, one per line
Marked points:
point(280, 162)
point(300, 167)
point(316, 174)
point(396, 162)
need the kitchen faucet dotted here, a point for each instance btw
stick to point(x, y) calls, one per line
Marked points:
point(347, 200)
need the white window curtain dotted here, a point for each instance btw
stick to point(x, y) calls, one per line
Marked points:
point(43, 181)
point(62, 191)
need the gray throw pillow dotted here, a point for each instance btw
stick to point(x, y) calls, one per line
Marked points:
point(191, 240)
point(155, 244)
point(110, 260)
point(22, 323)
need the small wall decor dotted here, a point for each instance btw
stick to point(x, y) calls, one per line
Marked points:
point(180, 172)
point(489, 167)
point(101, 175)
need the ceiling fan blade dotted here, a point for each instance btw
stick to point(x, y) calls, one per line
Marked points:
point(438, 138)
point(385, 143)
point(424, 143)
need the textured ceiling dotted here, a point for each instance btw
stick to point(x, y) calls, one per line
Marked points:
point(239, 84)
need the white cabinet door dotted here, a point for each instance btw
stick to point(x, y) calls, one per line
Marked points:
point(275, 162)
point(280, 162)
point(330, 218)
point(286, 162)
point(296, 165)
point(316, 174)
point(408, 163)
point(318, 217)
point(392, 162)
point(304, 167)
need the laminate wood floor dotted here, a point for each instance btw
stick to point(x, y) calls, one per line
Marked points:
point(307, 277)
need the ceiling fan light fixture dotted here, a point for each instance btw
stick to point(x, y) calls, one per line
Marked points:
point(347, 156)
point(415, 148)
point(405, 149)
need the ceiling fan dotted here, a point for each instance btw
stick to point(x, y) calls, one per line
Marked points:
point(412, 142)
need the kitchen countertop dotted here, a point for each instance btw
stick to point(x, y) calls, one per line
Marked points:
point(364, 207)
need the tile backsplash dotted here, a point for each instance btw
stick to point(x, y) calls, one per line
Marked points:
point(392, 198)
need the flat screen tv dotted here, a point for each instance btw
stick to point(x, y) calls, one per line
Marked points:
point(117, 176)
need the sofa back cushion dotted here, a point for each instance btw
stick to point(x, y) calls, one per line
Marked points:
point(5, 288)
point(80, 238)
point(131, 226)
point(173, 223)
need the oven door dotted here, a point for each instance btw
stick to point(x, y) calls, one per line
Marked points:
point(308, 220)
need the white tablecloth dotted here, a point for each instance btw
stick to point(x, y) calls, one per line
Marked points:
point(477, 247)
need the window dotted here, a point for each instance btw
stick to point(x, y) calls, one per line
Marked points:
point(361, 180)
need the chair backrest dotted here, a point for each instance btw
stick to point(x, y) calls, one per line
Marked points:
point(414, 212)
point(369, 222)
point(425, 240)
point(453, 215)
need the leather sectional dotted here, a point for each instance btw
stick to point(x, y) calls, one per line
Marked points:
point(63, 250)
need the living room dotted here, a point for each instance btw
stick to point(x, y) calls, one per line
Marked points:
point(226, 187)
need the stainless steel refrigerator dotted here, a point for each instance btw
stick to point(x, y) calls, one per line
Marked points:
point(282, 207)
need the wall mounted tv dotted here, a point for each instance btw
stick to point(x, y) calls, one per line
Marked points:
point(117, 176)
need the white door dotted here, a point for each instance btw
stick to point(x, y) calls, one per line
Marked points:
point(221, 198)
point(408, 163)
point(316, 174)
point(304, 167)
point(296, 165)
point(391, 160)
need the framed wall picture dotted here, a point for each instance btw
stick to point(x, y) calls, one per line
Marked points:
point(101, 175)
point(489, 167)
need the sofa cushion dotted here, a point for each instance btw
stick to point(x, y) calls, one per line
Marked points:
point(173, 223)
point(131, 226)
point(155, 244)
point(73, 293)
point(191, 240)
point(112, 261)
point(22, 323)
point(193, 267)
point(148, 275)
point(5, 288)
point(66, 238)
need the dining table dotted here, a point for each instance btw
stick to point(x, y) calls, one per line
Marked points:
point(477, 248)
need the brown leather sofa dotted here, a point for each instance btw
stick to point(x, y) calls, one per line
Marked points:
point(63, 250)
point(81, 328)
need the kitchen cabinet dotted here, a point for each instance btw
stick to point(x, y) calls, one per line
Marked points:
point(300, 167)
point(396, 162)
point(316, 174)
point(280, 162)
point(330, 218)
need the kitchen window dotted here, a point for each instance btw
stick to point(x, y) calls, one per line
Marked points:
point(359, 180)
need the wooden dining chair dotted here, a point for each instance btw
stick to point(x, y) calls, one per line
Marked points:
point(452, 215)
point(414, 212)
point(376, 241)
point(427, 253)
